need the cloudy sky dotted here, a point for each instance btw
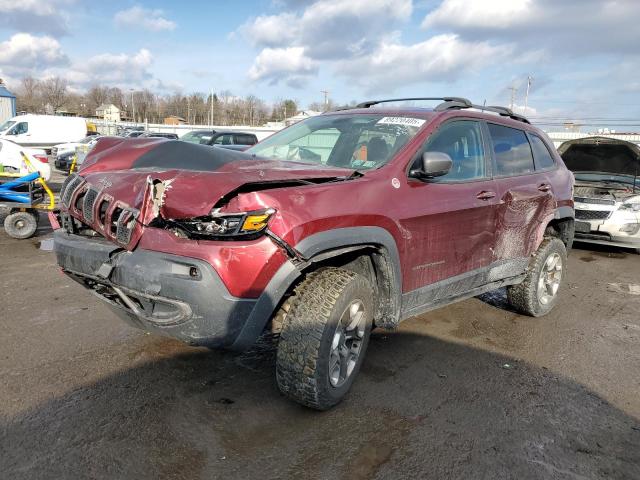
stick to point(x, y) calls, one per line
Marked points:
point(582, 54)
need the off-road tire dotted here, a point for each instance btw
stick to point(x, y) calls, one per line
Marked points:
point(21, 225)
point(302, 365)
point(524, 296)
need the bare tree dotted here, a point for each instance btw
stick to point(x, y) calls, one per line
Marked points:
point(28, 95)
point(96, 96)
point(54, 92)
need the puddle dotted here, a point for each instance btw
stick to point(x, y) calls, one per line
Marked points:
point(628, 288)
point(610, 254)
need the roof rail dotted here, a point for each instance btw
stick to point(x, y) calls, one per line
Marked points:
point(459, 100)
point(503, 111)
point(449, 103)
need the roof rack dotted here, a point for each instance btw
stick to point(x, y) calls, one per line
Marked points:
point(459, 100)
point(451, 103)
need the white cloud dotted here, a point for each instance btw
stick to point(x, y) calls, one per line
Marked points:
point(35, 16)
point(25, 54)
point(274, 64)
point(324, 30)
point(495, 14)
point(114, 69)
point(442, 58)
point(568, 27)
point(148, 19)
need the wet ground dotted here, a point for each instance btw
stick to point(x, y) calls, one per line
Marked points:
point(469, 391)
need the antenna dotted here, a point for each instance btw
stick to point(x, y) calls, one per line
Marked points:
point(526, 97)
point(326, 98)
point(513, 96)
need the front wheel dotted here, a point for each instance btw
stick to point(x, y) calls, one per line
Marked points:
point(538, 293)
point(324, 337)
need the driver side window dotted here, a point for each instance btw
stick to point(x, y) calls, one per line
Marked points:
point(462, 141)
point(19, 128)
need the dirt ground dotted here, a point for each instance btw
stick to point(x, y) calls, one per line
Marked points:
point(466, 392)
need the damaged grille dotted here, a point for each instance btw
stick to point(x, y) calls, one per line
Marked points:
point(88, 203)
point(125, 225)
point(68, 187)
point(594, 201)
point(592, 214)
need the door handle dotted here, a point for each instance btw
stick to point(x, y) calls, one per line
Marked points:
point(485, 195)
point(545, 187)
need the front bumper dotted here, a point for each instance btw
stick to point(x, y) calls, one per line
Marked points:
point(172, 295)
point(609, 231)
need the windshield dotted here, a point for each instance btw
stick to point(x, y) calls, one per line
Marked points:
point(6, 125)
point(197, 137)
point(361, 142)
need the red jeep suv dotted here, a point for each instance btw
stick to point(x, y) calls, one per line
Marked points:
point(346, 221)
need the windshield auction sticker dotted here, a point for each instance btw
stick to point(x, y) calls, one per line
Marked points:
point(407, 121)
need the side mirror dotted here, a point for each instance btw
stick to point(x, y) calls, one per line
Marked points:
point(433, 164)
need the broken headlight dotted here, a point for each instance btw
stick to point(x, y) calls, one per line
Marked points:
point(221, 226)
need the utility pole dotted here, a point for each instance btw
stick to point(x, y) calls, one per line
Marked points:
point(211, 96)
point(513, 96)
point(526, 97)
point(133, 107)
point(326, 99)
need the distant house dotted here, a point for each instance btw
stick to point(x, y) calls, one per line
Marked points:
point(301, 115)
point(174, 120)
point(109, 112)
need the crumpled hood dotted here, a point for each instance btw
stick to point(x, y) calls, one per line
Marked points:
point(191, 178)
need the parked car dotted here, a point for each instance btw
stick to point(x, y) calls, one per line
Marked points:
point(226, 139)
point(70, 147)
point(63, 162)
point(43, 131)
point(607, 191)
point(170, 136)
point(11, 160)
point(133, 133)
point(340, 223)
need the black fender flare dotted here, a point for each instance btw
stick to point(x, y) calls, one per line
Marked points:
point(318, 247)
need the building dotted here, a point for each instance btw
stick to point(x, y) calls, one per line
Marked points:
point(7, 103)
point(302, 115)
point(173, 120)
point(108, 112)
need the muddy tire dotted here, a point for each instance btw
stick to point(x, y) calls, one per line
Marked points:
point(21, 225)
point(324, 337)
point(538, 293)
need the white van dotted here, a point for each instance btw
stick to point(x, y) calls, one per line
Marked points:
point(43, 131)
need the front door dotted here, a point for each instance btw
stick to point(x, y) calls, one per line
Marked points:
point(449, 232)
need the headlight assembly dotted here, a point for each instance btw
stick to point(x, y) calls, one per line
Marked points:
point(631, 206)
point(219, 226)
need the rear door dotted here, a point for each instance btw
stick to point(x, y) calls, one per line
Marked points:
point(526, 194)
point(450, 220)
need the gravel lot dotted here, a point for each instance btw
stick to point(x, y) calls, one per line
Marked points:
point(469, 391)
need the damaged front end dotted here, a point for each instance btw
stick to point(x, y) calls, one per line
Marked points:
point(184, 253)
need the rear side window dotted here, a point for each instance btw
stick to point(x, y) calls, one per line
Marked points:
point(512, 151)
point(223, 140)
point(541, 154)
point(240, 139)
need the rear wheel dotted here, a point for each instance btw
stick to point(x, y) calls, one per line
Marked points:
point(538, 293)
point(21, 225)
point(324, 337)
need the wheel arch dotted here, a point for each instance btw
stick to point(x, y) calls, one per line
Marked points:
point(342, 247)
